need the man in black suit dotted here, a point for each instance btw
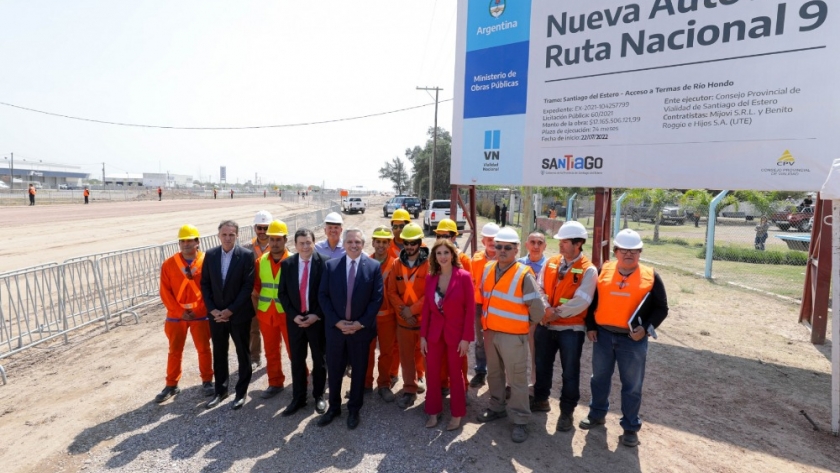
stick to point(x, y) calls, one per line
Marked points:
point(305, 322)
point(226, 284)
point(350, 295)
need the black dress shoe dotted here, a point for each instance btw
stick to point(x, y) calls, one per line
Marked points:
point(320, 405)
point(217, 399)
point(292, 408)
point(327, 418)
point(353, 420)
point(271, 392)
point(168, 392)
point(237, 403)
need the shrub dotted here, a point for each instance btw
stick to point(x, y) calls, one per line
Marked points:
point(485, 208)
point(749, 255)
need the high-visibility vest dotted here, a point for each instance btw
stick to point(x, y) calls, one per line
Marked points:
point(479, 261)
point(86, 193)
point(559, 292)
point(466, 264)
point(503, 303)
point(258, 252)
point(616, 304)
point(385, 268)
point(269, 285)
point(190, 284)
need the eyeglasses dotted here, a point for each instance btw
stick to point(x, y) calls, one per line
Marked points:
point(505, 247)
point(261, 227)
point(411, 242)
point(629, 252)
point(398, 227)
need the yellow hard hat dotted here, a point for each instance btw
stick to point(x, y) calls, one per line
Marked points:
point(383, 232)
point(188, 232)
point(447, 225)
point(277, 228)
point(401, 215)
point(412, 231)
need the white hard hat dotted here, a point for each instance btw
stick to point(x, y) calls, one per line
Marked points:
point(628, 239)
point(263, 217)
point(507, 235)
point(570, 230)
point(335, 218)
point(490, 230)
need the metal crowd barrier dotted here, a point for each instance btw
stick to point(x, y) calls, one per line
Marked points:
point(41, 303)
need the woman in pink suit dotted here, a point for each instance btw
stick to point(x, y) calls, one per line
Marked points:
point(446, 330)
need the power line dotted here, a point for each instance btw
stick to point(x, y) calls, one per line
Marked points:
point(211, 128)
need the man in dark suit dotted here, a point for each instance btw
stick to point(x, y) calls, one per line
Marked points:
point(305, 322)
point(350, 295)
point(226, 284)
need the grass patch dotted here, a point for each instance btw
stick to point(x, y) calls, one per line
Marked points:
point(749, 255)
point(667, 241)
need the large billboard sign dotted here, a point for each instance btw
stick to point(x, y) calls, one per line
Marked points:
point(726, 94)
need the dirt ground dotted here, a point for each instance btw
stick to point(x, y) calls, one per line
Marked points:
point(726, 382)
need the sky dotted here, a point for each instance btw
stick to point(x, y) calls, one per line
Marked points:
point(225, 64)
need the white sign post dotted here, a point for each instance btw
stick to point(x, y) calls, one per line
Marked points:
point(724, 94)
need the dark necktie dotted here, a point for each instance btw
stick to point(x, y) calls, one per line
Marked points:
point(351, 280)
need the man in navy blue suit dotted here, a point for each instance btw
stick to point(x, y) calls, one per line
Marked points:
point(350, 295)
point(227, 281)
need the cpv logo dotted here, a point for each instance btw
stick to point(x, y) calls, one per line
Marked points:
point(492, 144)
point(497, 7)
point(787, 159)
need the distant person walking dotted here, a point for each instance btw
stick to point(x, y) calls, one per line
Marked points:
point(32, 194)
point(160, 194)
point(214, 194)
point(86, 193)
point(231, 193)
point(504, 214)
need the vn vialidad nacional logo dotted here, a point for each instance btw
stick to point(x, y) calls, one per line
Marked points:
point(497, 7)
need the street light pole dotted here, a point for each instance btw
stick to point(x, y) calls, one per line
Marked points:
point(434, 143)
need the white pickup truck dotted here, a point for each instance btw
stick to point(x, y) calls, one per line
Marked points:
point(439, 210)
point(352, 205)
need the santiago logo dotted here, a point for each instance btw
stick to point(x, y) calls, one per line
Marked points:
point(571, 164)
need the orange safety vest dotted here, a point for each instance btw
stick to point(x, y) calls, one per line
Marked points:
point(258, 252)
point(86, 193)
point(190, 282)
point(385, 268)
point(408, 284)
point(560, 291)
point(503, 303)
point(32, 191)
point(466, 263)
point(479, 261)
point(616, 304)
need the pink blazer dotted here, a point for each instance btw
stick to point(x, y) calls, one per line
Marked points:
point(456, 321)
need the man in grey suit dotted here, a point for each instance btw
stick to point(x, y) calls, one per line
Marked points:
point(350, 295)
point(227, 280)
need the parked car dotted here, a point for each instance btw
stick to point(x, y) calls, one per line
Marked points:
point(671, 213)
point(802, 219)
point(352, 205)
point(411, 204)
point(439, 210)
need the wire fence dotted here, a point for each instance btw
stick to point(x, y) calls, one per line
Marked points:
point(769, 255)
point(46, 302)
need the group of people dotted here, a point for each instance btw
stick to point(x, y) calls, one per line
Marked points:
point(423, 308)
point(33, 191)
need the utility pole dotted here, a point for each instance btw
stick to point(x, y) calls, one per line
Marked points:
point(434, 143)
point(12, 171)
point(103, 176)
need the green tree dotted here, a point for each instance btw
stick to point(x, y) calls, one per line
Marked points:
point(420, 158)
point(655, 200)
point(397, 173)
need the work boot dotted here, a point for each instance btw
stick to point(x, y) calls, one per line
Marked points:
point(564, 424)
point(630, 438)
point(589, 423)
point(540, 406)
point(207, 388)
point(520, 433)
point(167, 393)
point(479, 380)
point(387, 395)
point(406, 400)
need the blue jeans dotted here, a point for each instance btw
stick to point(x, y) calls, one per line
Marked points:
point(570, 345)
point(630, 356)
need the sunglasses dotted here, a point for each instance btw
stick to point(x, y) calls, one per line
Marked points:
point(504, 247)
point(411, 243)
point(261, 227)
point(398, 227)
point(629, 252)
point(441, 236)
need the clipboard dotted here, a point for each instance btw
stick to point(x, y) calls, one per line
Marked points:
point(636, 313)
